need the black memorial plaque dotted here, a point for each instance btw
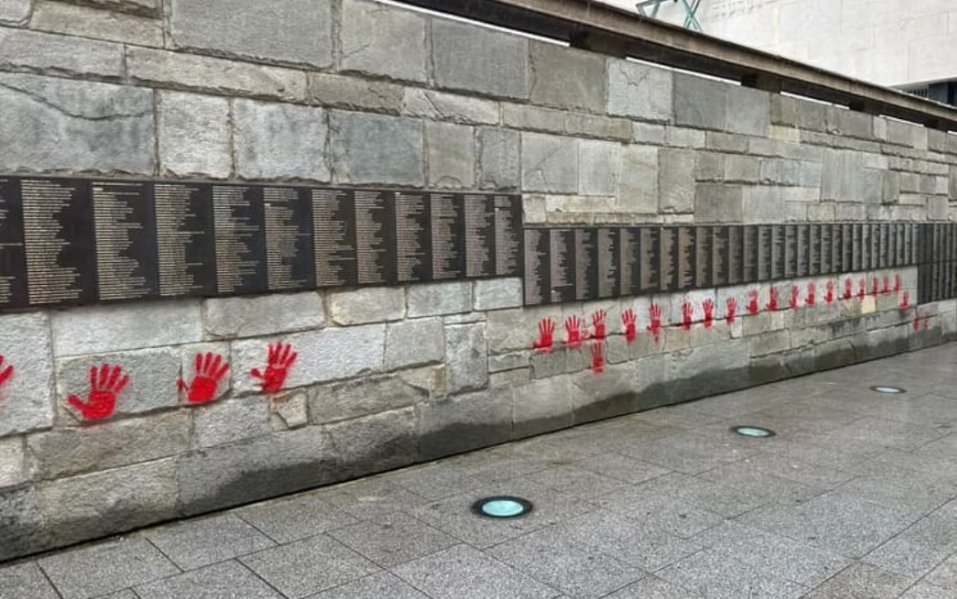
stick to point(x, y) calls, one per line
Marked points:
point(899, 234)
point(891, 245)
point(537, 266)
point(670, 259)
point(883, 253)
point(857, 248)
point(185, 239)
point(448, 236)
point(334, 231)
point(13, 258)
point(779, 252)
point(375, 238)
point(629, 245)
point(561, 254)
point(742, 265)
point(650, 259)
point(480, 235)
point(847, 248)
point(875, 245)
point(240, 239)
point(290, 250)
point(764, 252)
point(508, 235)
point(720, 255)
point(792, 256)
point(704, 258)
point(413, 237)
point(59, 242)
point(686, 257)
point(836, 245)
point(814, 250)
point(124, 224)
point(827, 249)
point(609, 263)
point(586, 264)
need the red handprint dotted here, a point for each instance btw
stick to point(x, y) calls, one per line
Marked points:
point(105, 385)
point(687, 314)
point(795, 297)
point(905, 301)
point(5, 373)
point(898, 283)
point(917, 318)
point(829, 296)
point(655, 326)
point(281, 359)
point(811, 294)
point(732, 312)
point(754, 303)
point(631, 327)
point(210, 370)
point(573, 332)
point(598, 322)
point(708, 313)
point(887, 285)
point(598, 357)
point(861, 288)
point(774, 299)
point(546, 336)
point(875, 287)
point(848, 288)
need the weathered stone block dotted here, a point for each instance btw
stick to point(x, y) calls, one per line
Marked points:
point(676, 181)
point(14, 11)
point(56, 17)
point(797, 113)
point(326, 355)
point(700, 103)
point(533, 118)
point(780, 171)
point(279, 141)
point(499, 158)
point(742, 168)
point(229, 317)
point(370, 148)
point(204, 73)
point(770, 343)
point(353, 93)
point(13, 469)
point(500, 69)
point(599, 163)
point(381, 40)
point(289, 411)
point(709, 166)
point(193, 135)
point(684, 138)
point(364, 397)
point(21, 523)
point(645, 133)
point(153, 374)
point(496, 294)
point(512, 361)
point(464, 422)
point(589, 125)
point(763, 204)
point(301, 30)
point(640, 91)
point(366, 304)
point(440, 106)
point(56, 54)
point(719, 203)
point(451, 155)
point(26, 400)
point(144, 7)
point(549, 163)
point(542, 406)
point(566, 78)
point(466, 357)
point(434, 299)
point(100, 329)
point(841, 121)
point(91, 112)
point(231, 421)
point(374, 443)
point(749, 111)
point(842, 178)
point(638, 187)
point(413, 342)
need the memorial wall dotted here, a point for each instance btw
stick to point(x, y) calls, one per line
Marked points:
point(239, 262)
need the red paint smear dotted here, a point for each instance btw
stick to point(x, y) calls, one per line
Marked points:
point(829, 296)
point(811, 294)
point(6, 373)
point(546, 336)
point(687, 314)
point(848, 288)
point(655, 326)
point(106, 384)
point(573, 332)
point(209, 371)
point(598, 323)
point(598, 357)
point(774, 299)
point(281, 359)
point(630, 321)
point(732, 311)
point(708, 313)
point(754, 303)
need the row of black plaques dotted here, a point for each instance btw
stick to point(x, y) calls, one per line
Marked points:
point(76, 241)
point(564, 265)
point(937, 262)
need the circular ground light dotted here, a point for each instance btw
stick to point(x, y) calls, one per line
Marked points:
point(753, 432)
point(502, 507)
point(888, 390)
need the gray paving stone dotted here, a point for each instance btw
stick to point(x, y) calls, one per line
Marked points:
point(718, 576)
point(25, 580)
point(465, 573)
point(921, 547)
point(576, 481)
point(375, 586)
point(292, 518)
point(195, 543)
point(370, 497)
point(106, 567)
point(862, 581)
point(219, 581)
point(620, 467)
point(308, 566)
point(944, 575)
point(924, 590)
point(652, 587)
point(393, 539)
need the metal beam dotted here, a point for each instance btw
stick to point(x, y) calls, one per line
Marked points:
point(656, 41)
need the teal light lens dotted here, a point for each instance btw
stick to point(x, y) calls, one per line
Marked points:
point(887, 390)
point(502, 507)
point(754, 432)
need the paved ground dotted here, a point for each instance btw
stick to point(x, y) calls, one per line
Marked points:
point(855, 497)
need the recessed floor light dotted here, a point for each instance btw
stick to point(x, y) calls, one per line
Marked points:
point(888, 390)
point(753, 432)
point(502, 507)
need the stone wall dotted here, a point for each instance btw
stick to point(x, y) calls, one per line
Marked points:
point(354, 92)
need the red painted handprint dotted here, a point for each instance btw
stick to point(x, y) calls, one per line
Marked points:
point(546, 336)
point(875, 287)
point(811, 294)
point(573, 332)
point(210, 370)
point(905, 301)
point(732, 312)
point(829, 296)
point(887, 285)
point(105, 386)
point(687, 315)
point(795, 297)
point(281, 359)
point(631, 325)
point(898, 283)
point(774, 299)
point(917, 318)
point(655, 326)
point(598, 323)
point(754, 302)
point(598, 357)
point(848, 288)
point(861, 288)
point(5, 373)
point(708, 313)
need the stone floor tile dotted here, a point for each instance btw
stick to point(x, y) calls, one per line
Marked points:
point(621, 467)
point(888, 433)
point(921, 547)
point(576, 481)
point(800, 470)
point(462, 572)
point(435, 481)
point(652, 587)
point(296, 517)
point(929, 409)
point(199, 542)
point(124, 594)
point(25, 580)
point(370, 497)
point(944, 575)
point(917, 492)
point(685, 454)
point(743, 476)
point(376, 586)
point(925, 590)
point(309, 566)
point(717, 576)
point(225, 580)
point(862, 581)
point(392, 539)
point(672, 514)
point(106, 567)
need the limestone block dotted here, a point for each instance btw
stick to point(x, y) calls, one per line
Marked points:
point(93, 505)
point(100, 329)
point(216, 75)
point(701, 103)
point(937, 207)
point(907, 134)
point(466, 357)
point(90, 112)
point(543, 405)
point(512, 361)
point(497, 294)
point(464, 422)
point(21, 523)
point(638, 191)
point(533, 118)
point(68, 451)
point(289, 411)
point(842, 176)
point(371, 148)
point(56, 17)
point(590, 125)
point(726, 142)
point(598, 163)
point(375, 443)
point(499, 158)
point(434, 299)
point(145, 7)
point(301, 30)
point(770, 343)
point(456, 108)
point(57, 54)
point(676, 180)
point(549, 163)
point(366, 304)
point(229, 421)
point(797, 113)
point(645, 133)
point(709, 166)
point(749, 111)
point(279, 141)
point(339, 91)
point(717, 203)
point(567, 78)
point(230, 317)
point(509, 379)
point(780, 171)
point(381, 40)
point(413, 342)
point(684, 138)
point(640, 91)
point(26, 400)
point(153, 374)
point(763, 204)
point(189, 370)
point(850, 123)
point(742, 168)
point(499, 68)
point(193, 135)
point(364, 397)
point(13, 469)
point(326, 355)
point(451, 155)
point(14, 11)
